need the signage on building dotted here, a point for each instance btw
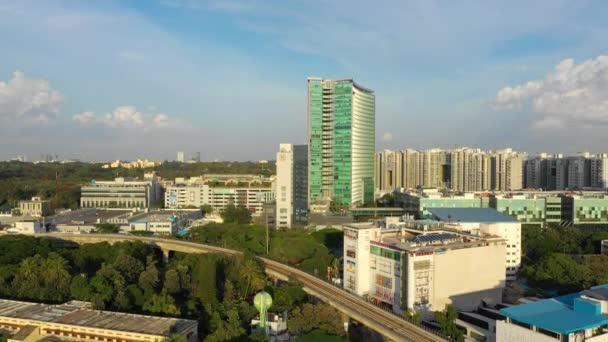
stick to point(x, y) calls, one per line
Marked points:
point(351, 234)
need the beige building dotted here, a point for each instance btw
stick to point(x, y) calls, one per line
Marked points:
point(76, 321)
point(35, 207)
point(423, 266)
point(507, 170)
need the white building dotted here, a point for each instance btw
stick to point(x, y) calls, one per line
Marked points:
point(486, 221)
point(28, 227)
point(291, 185)
point(121, 193)
point(218, 192)
point(421, 266)
point(284, 186)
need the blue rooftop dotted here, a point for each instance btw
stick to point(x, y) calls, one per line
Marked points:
point(482, 215)
point(564, 314)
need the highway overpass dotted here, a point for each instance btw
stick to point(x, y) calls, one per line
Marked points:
point(385, 323)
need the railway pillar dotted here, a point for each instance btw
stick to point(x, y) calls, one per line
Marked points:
point(346, 320)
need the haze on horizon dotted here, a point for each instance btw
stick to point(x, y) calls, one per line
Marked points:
point(101, 80)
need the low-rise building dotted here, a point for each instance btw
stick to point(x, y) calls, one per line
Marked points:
point(35, 207)
point(247, 190)
point(585, 208)
point(76, 321)
point(489, 222)
point(121, 193)
point(423, 265)
point(577, 317)
point(162, 222)
point(28, 227)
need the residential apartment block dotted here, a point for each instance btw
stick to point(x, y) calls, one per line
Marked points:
point(291, 185)
point(462, 169)
point(218, 191)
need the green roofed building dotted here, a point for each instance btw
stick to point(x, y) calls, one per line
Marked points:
point(341, 140)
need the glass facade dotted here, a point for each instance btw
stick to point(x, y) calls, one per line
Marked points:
point(341, 137)
point(525, 210)
point(315, 140)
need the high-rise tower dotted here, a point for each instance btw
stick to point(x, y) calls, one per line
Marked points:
point(341, 140)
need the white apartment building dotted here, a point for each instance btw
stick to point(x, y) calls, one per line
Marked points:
point(197, 192)
point(421, 266)
point(486, 221)
point(284, 186)
point(121, 193)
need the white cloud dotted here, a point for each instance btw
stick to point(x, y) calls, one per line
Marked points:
point(127, 117)
point(571, 95)
point(28, 100)
point(387, 137)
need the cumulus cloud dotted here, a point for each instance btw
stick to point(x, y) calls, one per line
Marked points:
point(127, 117)
point(572, 94)
point(387, 137)
point(28, 100)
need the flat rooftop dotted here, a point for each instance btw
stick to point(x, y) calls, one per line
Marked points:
point(79, 314)
point(559, 314)
point(471, 215)
point(87, 216)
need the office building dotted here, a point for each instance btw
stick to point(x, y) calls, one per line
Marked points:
point(291, 185)
point(422, 265)
point(121, 193)
point(76, 321)
point(181, 156)
point(528, 207)
point(585, 208)
point(251, 191)
point(486, 221)
point(581, 316)
point(341, 140)
point(35, 207)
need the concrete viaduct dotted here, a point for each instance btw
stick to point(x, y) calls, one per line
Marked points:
point(385, 323)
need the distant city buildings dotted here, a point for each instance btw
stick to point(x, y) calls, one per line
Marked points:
point(77, 321)
point(556, 172)
point(217, 191)
point(291, 185)
point(181, 156)
point(461, 169)
point(196, 157)
point(137, 164)
point(121, 193)
point(341, 142)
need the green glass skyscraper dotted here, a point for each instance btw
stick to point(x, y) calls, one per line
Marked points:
point(341, 138)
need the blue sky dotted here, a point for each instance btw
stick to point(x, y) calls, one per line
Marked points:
point(124, 79)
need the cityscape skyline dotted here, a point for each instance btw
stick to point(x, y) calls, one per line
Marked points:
point(115, 92)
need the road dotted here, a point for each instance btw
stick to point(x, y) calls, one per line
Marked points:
point(355, 307)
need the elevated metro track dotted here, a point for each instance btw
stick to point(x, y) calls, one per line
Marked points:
point(349, 304)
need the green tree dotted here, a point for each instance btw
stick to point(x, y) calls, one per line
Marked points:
point(287, 297)
point(79, 288)
point(447, 323)
point(310, 317)
point(252, 274)
point(236, 214)
point(129, 267)
point(162, 303)
point(149, 280)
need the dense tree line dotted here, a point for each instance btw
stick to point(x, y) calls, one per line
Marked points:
point(298, 248)
point(563, 259)
point(129, 277)
point(61, 182)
